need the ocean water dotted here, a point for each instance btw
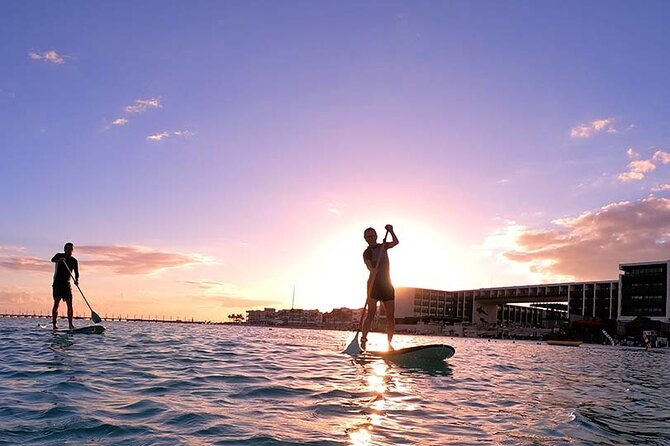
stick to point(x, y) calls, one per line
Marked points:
point(180, 384)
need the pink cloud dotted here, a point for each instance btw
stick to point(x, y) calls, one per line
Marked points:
point(638, 169)
point(661, 157)
point(591, 245)
point(233, 302)
point(16, 263)
point(24, 301)
point(132, 260)
point(589, 129)
point(136, 260)
point(47, 56)
point(12, 248)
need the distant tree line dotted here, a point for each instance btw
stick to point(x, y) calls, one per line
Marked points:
point(236, 317)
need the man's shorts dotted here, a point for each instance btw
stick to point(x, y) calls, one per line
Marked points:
point(382, 292)
point(62, 291)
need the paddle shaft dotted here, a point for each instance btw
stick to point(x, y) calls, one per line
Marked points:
point(372, 279)
point(77, 285)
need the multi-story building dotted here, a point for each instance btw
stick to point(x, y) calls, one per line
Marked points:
point(644, 291)
point(640, 291)
point(270, 316)
point(261, 316)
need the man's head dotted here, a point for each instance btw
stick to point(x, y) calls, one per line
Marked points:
point(68, 248)
point(370, 236)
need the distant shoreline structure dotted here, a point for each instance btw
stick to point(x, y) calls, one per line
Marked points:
point(119, 319)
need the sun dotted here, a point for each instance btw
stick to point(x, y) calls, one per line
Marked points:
point(335, 275)
point(424, 258)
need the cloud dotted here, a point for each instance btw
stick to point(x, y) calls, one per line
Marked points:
point(137, 260)
point(661, 157)
point(242, 302)
point(662, 187)
point(142, 105)
point(225, 294)
point(21, 300)
point(205, 284)
point(47, 56)
point(12, 248)
point(591, 245)
point(638, 169)
point(215, 287)
point(120, 121)
point(334, 207)
point(231, 301)
point(164, 135)
point(589, 129)
point(16, 263)
point(134, 260)
point(158, 136)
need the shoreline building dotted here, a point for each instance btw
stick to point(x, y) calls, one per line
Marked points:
point(293, 317)
point(641, 291)
point(634, 304)
point(644, 291)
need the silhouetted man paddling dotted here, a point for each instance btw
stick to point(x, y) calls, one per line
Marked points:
point(61, 284)
point(380, 288)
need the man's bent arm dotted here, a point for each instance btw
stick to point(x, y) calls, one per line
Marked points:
point(394, 238)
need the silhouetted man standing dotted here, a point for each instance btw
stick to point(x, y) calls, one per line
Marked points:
point(380, 288)
point(61, 284)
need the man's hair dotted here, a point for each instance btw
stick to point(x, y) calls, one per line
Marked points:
point(370, 229)
point(70, 244)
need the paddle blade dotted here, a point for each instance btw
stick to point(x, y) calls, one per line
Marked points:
point(353, 348)
point(95, 318)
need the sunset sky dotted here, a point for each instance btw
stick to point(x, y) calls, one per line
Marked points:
point(205, 157)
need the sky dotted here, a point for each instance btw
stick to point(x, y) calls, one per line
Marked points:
point(207, 157)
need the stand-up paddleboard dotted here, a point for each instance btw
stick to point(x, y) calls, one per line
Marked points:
point(91, 329)
point(420, 353)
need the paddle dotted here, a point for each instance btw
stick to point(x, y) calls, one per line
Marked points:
point(353, 348)
point(94, 315)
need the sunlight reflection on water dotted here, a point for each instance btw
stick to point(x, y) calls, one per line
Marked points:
point(188, 384)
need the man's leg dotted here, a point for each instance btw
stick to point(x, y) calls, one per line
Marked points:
point(70, 313)
point(54, 312)
point(372, 310)
point(389, 308)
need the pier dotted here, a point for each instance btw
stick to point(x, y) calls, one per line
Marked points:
point(116, 318)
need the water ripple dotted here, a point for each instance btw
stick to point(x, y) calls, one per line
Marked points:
point(174, 384)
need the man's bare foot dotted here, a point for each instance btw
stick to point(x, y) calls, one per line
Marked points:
point(72, 327)
point(55, 328)
point(363, 342)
